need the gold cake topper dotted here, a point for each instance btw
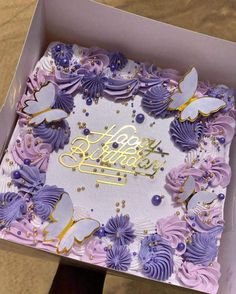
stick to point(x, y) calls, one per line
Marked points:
point(96, 154)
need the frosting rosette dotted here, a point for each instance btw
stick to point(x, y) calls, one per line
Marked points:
point(220, 126)
point(156, 100)
point(202, 249)
point(121, 89)
point(173, 230)
point(117, 61)
point(120, 230)
point(199, 277)
point(95, 59)
point(62, 54)
point(29, 179)
point(176, 178)
point(93, 84)
point(118, 258)
point(12, 207)
point(45, 199)
point(64, 101)
point(216, 172)
point(156, 257)
point(33, 149)
point(57, 134)
point(94, 252)
point(186, 135)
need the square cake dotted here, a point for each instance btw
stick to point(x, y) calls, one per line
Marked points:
point(120, 164)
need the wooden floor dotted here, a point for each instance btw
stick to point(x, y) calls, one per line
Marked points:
point(22, 274)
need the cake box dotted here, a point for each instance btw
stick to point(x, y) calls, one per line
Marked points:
point(140, 39)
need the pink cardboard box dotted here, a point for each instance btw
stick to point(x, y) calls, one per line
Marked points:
point(88, 23)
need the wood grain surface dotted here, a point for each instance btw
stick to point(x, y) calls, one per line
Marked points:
point(24, 274)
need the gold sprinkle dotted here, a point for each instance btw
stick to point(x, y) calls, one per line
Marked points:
point(84, 110)
point(117, 111)
point(117, 203)
point(73, 169)
point(117, 210)
point(106, 127)
point(177, 212)
point(78, 189)
point(83, 188)
point(97, 185)
point(123, 201)
point(91, 257)
point(145, 232)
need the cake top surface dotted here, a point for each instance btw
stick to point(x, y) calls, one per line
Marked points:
point(121, 164)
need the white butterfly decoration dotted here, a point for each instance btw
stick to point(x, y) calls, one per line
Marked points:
point(194, 199)
point(40, 109)
point(65, 228)
point(190, 106)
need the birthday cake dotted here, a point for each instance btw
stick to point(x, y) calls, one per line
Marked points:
point(120, 164)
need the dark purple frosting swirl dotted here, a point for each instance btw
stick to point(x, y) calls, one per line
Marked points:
point(122, 89)
point(156, 100)
point(57, 133)
point(118, 258)
point(45, 199)
point(156, 257)
point(12, 207)
point(202, 249)
point(62, 54)
point(93, 84)
point(31, 179)
point(186, 135)
point(70, 83)
point(117, 61)
point(120, 230)
point(149, 82)
point(64, 101)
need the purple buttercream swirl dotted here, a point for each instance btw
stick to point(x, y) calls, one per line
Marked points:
point(120, 230)
point(12, 207)
point(121, 89)
point(156, 257)
point(64, 101)
point(186, 135)
point(117, 61)
point(202, 249)
point(148, 82)
point(221, 125)
point(31, 179)
point(198, 277)
point(216, 172)
point(95, 59)
point(45, 199)
point(177, 176)
point(93, 84)
point(57, 134)
point(118, 258)
point(70, 83)
point(225, 94)
point(28, 147)
point(156, 100)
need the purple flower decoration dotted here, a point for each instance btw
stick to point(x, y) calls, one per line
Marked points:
point(29, 179)
point(117, 61)
point(45, 199)
point(62, 54)
point(118, 258)
point(186, 135)
point(93, 84)
point(120, 230)
point(64, 101)
point(12, 207)
point(156, 100)
point(156, 257)
point(57, 133)
point(202, 249)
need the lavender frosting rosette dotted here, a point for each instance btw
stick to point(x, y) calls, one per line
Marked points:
point(12, 207)
point(202, 249)
point(57, 134)
point(28, 179)
point(156, 100)
point(118, 258)
point(186, 135)
point(117, 61)
point(156, 257)
point(199, 277)
point(45, 199)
